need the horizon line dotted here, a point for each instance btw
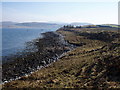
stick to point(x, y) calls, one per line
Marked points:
point(57, 22)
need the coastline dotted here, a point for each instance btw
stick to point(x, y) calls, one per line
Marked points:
point(50, 48)
point(91, 64)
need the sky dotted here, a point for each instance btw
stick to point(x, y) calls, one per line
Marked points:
point(91, 12)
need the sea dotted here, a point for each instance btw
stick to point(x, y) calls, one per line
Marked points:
point(14, 39)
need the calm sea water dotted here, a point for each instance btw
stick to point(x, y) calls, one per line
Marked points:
point(13, 40)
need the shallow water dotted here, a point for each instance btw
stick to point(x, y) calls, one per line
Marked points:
point(13, 40)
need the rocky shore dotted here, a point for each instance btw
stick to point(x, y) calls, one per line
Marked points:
point(94, 63)
point(46, 50)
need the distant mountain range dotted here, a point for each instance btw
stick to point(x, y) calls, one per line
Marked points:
point(9, 24)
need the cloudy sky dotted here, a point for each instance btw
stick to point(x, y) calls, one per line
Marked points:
point(91, 12)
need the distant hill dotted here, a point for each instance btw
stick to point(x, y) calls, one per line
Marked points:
point(9, 24)
point(80, 24)
point(111, 25)
point(35, 24)
point(60, 23)
point(29, 25)
point(74, 23)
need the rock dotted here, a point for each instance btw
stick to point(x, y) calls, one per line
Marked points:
point(53, 81)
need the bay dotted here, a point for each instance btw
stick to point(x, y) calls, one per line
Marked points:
point(14, 39)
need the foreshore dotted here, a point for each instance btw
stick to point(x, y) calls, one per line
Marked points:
point(84, 58)
point(49, 49)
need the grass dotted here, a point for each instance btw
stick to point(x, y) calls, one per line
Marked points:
point(93, 64)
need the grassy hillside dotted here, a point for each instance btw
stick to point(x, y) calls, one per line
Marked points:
point(94, 63)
